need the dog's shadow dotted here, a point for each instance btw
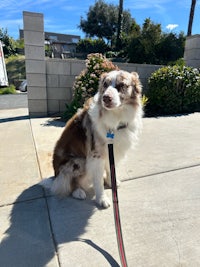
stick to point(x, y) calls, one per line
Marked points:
point(40, 224)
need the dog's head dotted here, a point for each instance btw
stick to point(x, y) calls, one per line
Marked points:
point(117, 88)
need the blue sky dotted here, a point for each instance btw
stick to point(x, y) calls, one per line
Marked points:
point(63, 16)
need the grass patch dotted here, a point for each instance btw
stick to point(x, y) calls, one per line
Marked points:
point(8, 90)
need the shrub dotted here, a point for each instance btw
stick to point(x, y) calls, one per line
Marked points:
point(92, 46)
point(86, 84)
point(111, 54)
point(8, 90)
point(173, 90)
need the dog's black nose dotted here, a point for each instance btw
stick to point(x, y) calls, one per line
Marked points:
point(107, 99)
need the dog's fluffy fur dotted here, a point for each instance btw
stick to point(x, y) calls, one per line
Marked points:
point(80, 156)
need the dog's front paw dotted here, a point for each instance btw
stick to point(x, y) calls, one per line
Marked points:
point(104, 202)
point(79, 193)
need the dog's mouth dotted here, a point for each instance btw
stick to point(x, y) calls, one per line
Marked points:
point(110, 106)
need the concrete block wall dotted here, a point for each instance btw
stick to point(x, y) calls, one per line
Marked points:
point(35, 63)
point(192, 51)
point(60, 75)
point(144, 71)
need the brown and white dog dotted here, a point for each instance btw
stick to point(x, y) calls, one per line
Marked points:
point(80, 156)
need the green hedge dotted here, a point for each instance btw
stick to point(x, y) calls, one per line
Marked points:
point(173, 90)
point(92, 46)
point(8, 90)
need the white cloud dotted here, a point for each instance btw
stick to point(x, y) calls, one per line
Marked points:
point(171, 26)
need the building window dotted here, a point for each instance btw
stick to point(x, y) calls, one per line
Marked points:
point(75, 40)
point(53, 37)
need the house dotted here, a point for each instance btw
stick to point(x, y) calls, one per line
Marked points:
point(57, 44)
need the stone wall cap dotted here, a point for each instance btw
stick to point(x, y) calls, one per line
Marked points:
point(32, 14)
point(193, 36)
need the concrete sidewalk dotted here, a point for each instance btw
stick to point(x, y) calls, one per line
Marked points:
point(159, 199)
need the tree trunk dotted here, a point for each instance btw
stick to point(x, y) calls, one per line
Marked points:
point(119, 29)
point(192, 9)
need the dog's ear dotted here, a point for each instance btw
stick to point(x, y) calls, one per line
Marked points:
point(103, 76)
point(135, 75)
point(136, 83)
point(102, 79)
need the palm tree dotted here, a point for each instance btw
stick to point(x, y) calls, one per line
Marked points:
point(120, 16)
point(192, 9)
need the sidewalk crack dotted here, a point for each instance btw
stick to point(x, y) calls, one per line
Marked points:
point(158, 173)
point(45, 198)
point(172, 226)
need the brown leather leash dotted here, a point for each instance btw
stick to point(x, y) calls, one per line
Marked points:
point(110, 136)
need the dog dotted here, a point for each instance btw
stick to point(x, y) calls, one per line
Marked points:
point(80, 156)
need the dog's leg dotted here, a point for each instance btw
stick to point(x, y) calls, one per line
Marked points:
point(79, 193)
point(95, 167)
point(70, 178)
point(61, 185)
point(107, 177)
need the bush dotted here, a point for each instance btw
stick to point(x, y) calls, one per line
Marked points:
point(111, 54)
point(92, 46)
point(173, 90)
point(86, 84)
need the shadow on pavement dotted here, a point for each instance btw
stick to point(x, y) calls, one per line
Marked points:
point(18, 118)
point(40, 224)
point(56, 122)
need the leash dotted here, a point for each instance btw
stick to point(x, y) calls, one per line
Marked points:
point(110, 136)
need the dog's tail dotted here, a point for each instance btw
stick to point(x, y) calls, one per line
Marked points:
point(58, 185)
point(47, 183)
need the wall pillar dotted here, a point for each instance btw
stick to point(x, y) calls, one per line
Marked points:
point(192, 51)
point(35, 63)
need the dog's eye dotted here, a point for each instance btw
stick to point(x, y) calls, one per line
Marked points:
point(121, 87)
point(105, 84)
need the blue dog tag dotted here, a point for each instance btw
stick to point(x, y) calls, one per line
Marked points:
point(110, 135)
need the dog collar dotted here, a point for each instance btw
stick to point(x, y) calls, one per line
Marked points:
point(110, 133)
point(122, 126)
